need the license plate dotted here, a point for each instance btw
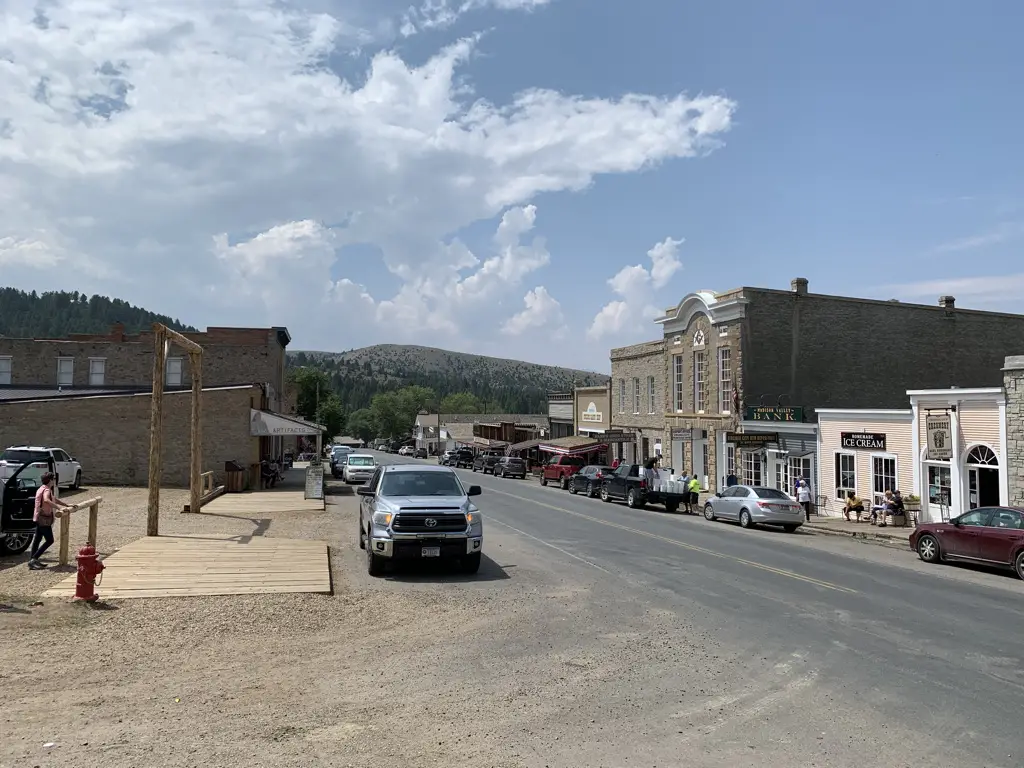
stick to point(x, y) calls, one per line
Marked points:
point(430, 551)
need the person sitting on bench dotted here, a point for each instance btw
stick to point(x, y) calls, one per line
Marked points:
point(853, 504)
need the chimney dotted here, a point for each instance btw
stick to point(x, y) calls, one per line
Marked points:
point(947, 302)
point(117, 331)
point(799, 286)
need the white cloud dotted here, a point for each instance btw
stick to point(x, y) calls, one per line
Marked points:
point(637, 288)
point(542, 311)
point(146, 145)
point(994, 292)
point(438, 14)
point(998, 234)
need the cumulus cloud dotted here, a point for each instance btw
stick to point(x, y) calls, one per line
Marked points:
point(438, 14)
point(541, 311)
point(207, 159)
point(637, 288)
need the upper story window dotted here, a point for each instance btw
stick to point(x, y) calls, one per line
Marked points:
point(651, 404)
point(636, 395)
point(97, 371)
point(6, 369)
point(678, 379)
point(174, 375)
point(725, 379)
point(622, 395)
point(700, 382)
point(65, 371)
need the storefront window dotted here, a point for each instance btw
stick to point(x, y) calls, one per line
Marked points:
point(782, 476)
point(939, 485)
point(751, 468)
point(730, 459)
point(846, 474)
point(800, 469)
point(883, 477)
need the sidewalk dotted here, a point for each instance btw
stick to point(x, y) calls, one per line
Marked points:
point(838, 526)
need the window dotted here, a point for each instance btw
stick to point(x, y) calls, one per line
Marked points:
point(65, 371)
point(751, 468)
point(97, 371)
point(677, 382)
point(772, 493)
point(977, 517)
point(846, 475)
point(173, 376)
point(700, 382)
point(883, 477)
point(982, 456)
point(651, 404)
point(725, 380)
point(730, 459)
point(939, 485)
point(636, 395)
point(800, 469)
point(6, 368)
point(782, 475)
point(1007, 518)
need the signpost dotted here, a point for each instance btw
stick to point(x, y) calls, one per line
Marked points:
point(863, 441)
point(751, 439)
point(314, 481)
point(681, 433)
point(940, 436)
point(773, 413)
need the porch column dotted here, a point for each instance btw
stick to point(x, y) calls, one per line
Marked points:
point(958, 489)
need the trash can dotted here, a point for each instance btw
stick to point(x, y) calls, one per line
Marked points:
point(234, 477)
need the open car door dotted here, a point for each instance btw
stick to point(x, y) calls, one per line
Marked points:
point(19, 501)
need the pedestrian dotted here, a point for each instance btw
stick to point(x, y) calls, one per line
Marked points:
point(649, 473)
point(803, 495)
point(685, 483)
point(48, 508)
point(694, 492)
point(615, 464)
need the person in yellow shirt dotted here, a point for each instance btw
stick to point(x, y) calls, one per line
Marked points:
point(693, 499)
point(853, 504)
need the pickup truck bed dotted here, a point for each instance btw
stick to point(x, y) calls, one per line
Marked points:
point(627, 483)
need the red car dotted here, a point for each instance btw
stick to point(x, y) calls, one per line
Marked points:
point(988, 536)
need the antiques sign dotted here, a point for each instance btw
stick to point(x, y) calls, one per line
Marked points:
point(940, 437)
point(751, 439)
point(680, 433)
point(863, 441)
point(773, 413)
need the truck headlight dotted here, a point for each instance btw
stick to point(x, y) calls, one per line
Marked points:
point(382, 519)
point(473, 517)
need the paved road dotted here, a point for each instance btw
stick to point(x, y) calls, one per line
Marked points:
point(927, 658)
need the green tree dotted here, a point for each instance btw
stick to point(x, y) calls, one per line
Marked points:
point(361, 424)
point(461, 402)
point(331, 415)
point(414, 399)
point(313, 385)
point(387, 415)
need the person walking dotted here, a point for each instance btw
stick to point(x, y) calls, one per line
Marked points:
point(48, 508)
point(649, 471)
point(694, 493)
point(803, 495)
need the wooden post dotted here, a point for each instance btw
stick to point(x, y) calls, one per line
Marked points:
point(94, 511)
point(65, 537)
point(156, 428)
point(196, 478)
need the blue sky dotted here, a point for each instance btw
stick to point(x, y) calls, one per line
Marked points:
point(872, 148)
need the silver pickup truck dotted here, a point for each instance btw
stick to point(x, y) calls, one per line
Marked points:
point(419, 512)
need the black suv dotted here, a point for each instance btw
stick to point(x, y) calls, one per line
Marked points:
point(485, 462)
point(462, 458)
point(510, 466)
point(17, 505)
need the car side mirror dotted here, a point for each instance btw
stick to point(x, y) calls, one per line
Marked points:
point(474, 490)
point(956, 522)
point(719, 494)
point(364, 491)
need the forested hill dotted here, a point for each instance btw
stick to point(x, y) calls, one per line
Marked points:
point(59, 313)
point(500, 386)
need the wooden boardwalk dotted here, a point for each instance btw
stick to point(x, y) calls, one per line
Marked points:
point(259, 503)
point(210, 564)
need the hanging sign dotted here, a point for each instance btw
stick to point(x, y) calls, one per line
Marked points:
point(940, 437)
point(773, 413)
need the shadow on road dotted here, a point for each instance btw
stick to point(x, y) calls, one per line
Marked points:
point(445, 572)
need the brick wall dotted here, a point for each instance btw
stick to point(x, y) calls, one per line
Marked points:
point(684, 344)
point(639, 361)
point(837, 352)
point(1013, 383)
point(110, 435)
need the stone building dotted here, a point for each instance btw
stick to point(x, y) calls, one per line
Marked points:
point(735, 358)
point(638, 400)
point(1013, 386)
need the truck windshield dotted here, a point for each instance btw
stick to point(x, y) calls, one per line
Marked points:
point(420, 484)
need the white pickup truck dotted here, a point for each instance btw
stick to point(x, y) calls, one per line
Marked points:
point(68, 470)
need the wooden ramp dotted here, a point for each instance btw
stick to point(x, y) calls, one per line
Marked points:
point(261, 503)
point(210, 564)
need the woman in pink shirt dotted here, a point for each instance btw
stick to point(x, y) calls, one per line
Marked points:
point(47, 510)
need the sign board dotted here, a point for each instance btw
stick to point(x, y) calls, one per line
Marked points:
point(863, 441)
point(773, 413)
point(681, 433)
point(314, 481)
point(940, 436)
point(592, 414)
point(751, 439)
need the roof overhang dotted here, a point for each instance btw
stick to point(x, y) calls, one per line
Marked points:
point(267, 424)
point(579, 451)
point(703, 303)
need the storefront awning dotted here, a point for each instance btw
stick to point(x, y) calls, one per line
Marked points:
point(267, 424)
point(572, 446)
point(525, 445)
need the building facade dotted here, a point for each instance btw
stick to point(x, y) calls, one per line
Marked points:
point(592, 409)
point(1013, 389)
point(638, 400)
point(560, 414)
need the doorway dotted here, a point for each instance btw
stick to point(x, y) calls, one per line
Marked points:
point(982, 478)
point(700, 458)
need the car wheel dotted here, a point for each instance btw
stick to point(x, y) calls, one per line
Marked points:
point(543, 481)
point(590, 489)
point(16, 543)
point(928, 549)
point(745, 520)
point(470, 563)
point(790, 528)
point(604, 494)
point(362, 541)
point(709, 513)
point(634, 500)
point(564, 483)
point(78, 481)
point(1018, 565)
point(572, 487)
point(374, 564)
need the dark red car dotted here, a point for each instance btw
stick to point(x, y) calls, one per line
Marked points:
point(989, 536)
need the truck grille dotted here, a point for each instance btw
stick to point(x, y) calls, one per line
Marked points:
point(416, 522)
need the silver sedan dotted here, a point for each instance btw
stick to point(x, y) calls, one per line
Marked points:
point(751, 505)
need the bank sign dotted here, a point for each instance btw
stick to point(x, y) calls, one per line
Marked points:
point(773, 413)
point(863, 441)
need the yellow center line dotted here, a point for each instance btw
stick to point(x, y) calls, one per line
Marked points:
point(683, 544)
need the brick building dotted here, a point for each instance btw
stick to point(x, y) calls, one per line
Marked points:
point(89, 394)
point(733, 359)
point(638, 399)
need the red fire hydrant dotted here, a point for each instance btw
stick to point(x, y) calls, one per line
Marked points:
point(89, 569)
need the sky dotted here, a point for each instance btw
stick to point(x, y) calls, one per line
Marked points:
point(533, 179)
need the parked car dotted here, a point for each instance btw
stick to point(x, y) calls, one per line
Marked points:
point(484, 462)
point(464, 458)
point(17, 505)
point(420, 453)
point(337, 452)
point(419, 512)
point(988, 535)
point(751, 505)
point(629, 483)
point(358, 468)
point(406, 450)
point(510, 466)
point(588, 480)
point(560, 468)
point(446, 458)
point(67, 469)
point(338, 465)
